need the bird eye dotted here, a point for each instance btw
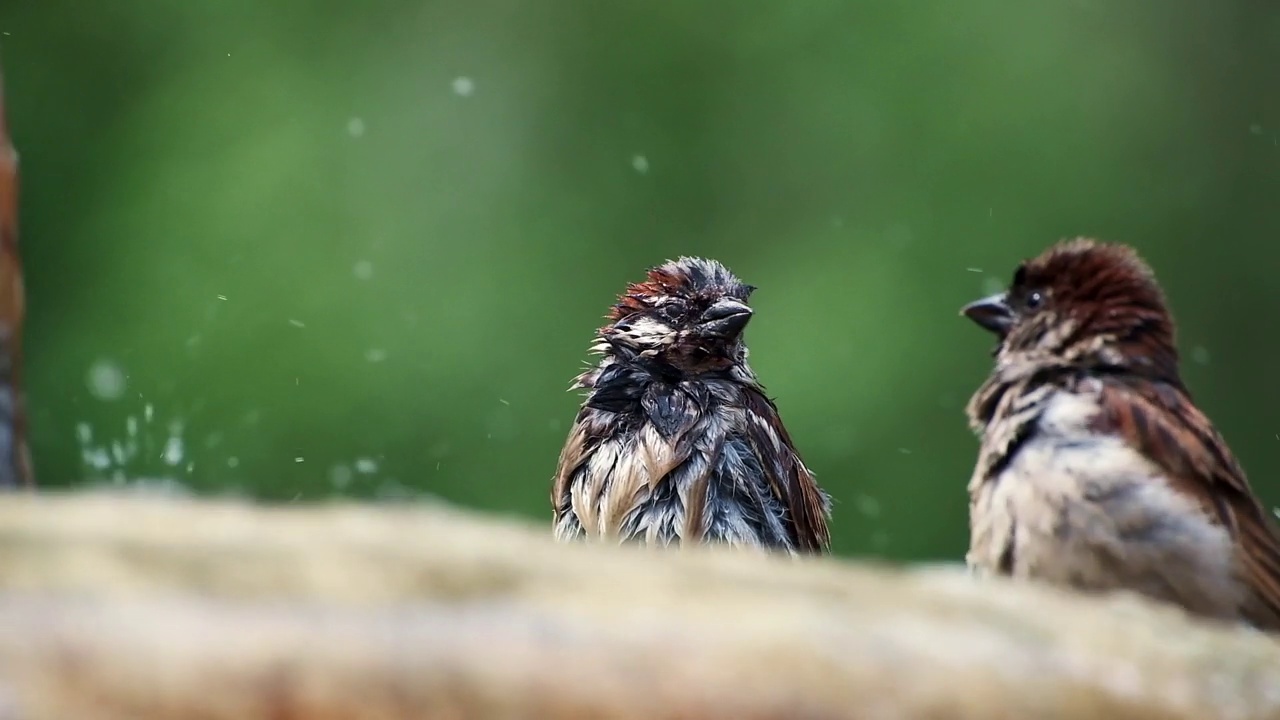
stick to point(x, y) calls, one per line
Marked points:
point(1035, 299)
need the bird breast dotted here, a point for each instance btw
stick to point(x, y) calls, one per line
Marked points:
point(1085, 510)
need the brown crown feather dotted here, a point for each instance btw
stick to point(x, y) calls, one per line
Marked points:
point(1110, 290)
point(684, 277)
point(1085, 269)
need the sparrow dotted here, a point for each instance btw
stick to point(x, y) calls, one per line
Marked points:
point(1096, 471)
point(676, 442)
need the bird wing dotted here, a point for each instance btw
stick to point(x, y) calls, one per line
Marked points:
point(583, 438)
point(1160, 421)
point(808, 506)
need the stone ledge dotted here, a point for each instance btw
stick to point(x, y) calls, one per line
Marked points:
point(124, 607)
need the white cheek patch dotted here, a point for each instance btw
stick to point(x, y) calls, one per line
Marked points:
point(645, 332)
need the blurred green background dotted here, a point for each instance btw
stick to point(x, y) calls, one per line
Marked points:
point(297, 250)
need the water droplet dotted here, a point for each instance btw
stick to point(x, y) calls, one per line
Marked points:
point(363, 270)
point(222, 297)
point(1200, 355)
point(106, 380)
point(366, 465)
point(464, 86)
point(392, 489)
point(355, 127)
point(868, 505)
point(297, 459)
point(502, 424)
point(375, 355)
point(297, 323)
point(899, 236)
point(340, 476)
point(233, 461)
point(640, 164)
point(96, 458)
point(173, 451)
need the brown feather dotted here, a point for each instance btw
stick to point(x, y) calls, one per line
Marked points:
point(1163, 424)
point(791, 481)
point(695, 508)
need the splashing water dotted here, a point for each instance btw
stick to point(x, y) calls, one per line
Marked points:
point(174, 447)
point(340, 477)
point(106, 380)
point(131, 458)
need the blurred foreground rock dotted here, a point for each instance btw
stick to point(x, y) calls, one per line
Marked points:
point(114, 607)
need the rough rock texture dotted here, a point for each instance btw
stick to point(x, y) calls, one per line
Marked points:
point(114, 607)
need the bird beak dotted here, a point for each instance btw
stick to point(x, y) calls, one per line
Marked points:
point(992, 313)
point(725, 319)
